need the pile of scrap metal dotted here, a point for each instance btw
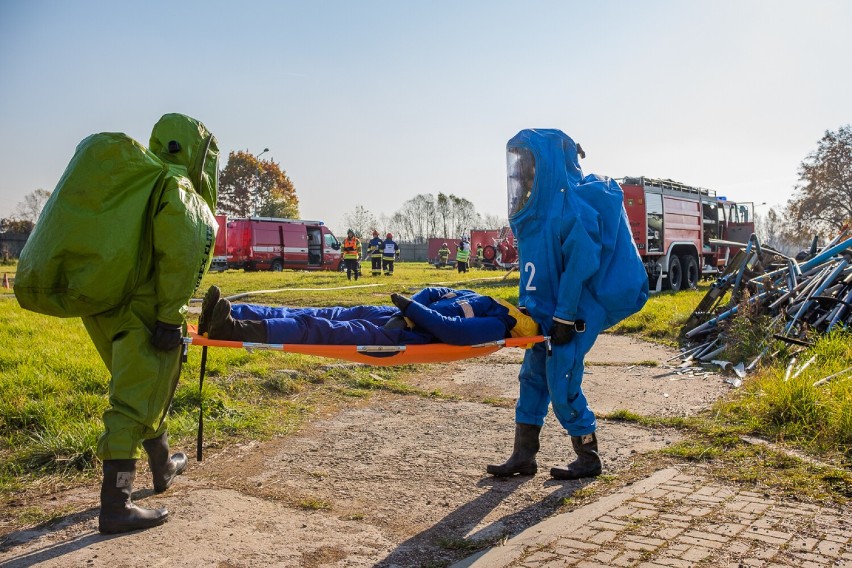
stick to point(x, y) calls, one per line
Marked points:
point(803, 297)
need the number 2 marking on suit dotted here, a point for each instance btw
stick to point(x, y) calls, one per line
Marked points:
point(531, 268)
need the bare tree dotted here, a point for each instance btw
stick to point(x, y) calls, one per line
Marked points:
point(492, 221)
point(361, 221)
point(823, 198)
point(780, 234)
point(416, 218)
point(444, 216)
point(464, 216)
point(30, 208)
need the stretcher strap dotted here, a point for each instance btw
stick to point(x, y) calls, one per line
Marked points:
point(200, 438)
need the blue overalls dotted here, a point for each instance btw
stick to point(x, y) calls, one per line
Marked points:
point(578, 261)
point(458, 317)
point(358, 325)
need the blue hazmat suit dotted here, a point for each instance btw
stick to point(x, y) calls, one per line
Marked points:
point(578, 262)
point(458, 317)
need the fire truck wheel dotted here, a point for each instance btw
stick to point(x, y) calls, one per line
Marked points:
point(675, 276)
point(276, 266)
point(489, 253)
point(689, 267)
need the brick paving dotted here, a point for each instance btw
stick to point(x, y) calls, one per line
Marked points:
point(675, 519)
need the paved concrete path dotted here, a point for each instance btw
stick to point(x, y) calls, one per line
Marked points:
point(677, 518)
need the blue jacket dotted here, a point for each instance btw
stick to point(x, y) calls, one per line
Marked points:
point(459, 317)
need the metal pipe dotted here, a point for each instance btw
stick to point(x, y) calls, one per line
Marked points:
point(712, 354)
point(823, 285)
point(828, 378)
point(839, 310)
point(723, 316)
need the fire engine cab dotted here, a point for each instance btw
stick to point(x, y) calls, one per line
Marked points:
point(674, 226)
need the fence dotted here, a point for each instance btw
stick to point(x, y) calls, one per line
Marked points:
point(13, 243)
point(414, 252)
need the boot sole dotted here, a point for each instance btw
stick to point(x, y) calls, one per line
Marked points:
point(509, 473)
point(557, 473)
point(134, 527)
point(178, 471)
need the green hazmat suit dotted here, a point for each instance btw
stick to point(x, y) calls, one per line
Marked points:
point(183, 232)
point(128, 259)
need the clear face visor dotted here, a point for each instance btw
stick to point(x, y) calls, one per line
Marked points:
point(205, 172)
point(520, 169)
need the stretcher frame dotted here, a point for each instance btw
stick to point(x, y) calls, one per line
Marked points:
point(379, 355)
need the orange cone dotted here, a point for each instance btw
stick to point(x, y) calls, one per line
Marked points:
point(5, 280)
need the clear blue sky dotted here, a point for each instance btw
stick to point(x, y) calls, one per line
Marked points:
point(370, 103)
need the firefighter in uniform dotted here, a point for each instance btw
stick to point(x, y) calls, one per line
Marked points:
point(480, 255)
point(581, 274)
point(462, 255)
point(374, 249)
point(443, 255)
point(390, 253)
point(351, 254)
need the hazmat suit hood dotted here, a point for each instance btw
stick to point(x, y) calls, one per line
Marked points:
point(537, 159)
point(184, 141)
point(577, 256)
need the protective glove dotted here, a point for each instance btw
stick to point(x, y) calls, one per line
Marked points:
point(563, 331)
point(166, 336)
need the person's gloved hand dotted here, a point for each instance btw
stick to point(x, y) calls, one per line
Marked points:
point(166, 336)
point(563, 331)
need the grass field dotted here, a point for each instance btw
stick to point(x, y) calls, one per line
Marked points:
point(53, 386)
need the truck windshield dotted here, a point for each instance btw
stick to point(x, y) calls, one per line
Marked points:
point(741, 212)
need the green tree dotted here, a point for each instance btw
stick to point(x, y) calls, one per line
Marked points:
point(823, 198)
point(252, 187)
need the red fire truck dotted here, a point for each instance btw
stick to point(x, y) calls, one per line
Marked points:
point(266, 243)
point(673, 225)
point(498, 247)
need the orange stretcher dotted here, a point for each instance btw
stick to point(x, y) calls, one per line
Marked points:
point(381, 355)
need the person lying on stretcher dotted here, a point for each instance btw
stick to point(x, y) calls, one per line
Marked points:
point(445, 315)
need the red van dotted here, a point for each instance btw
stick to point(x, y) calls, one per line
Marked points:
point(267, 243)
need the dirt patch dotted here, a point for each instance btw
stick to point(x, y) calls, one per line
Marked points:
point(394, 481)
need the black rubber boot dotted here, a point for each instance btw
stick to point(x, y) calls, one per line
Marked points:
point(211, 298)
point(223, 326)
point(400, 301)
point(588, 462)
point(522, 460)
point(164, 468)
point(118, 513)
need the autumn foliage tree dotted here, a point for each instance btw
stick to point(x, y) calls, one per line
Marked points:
point(823, 198)
point(252, 187)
